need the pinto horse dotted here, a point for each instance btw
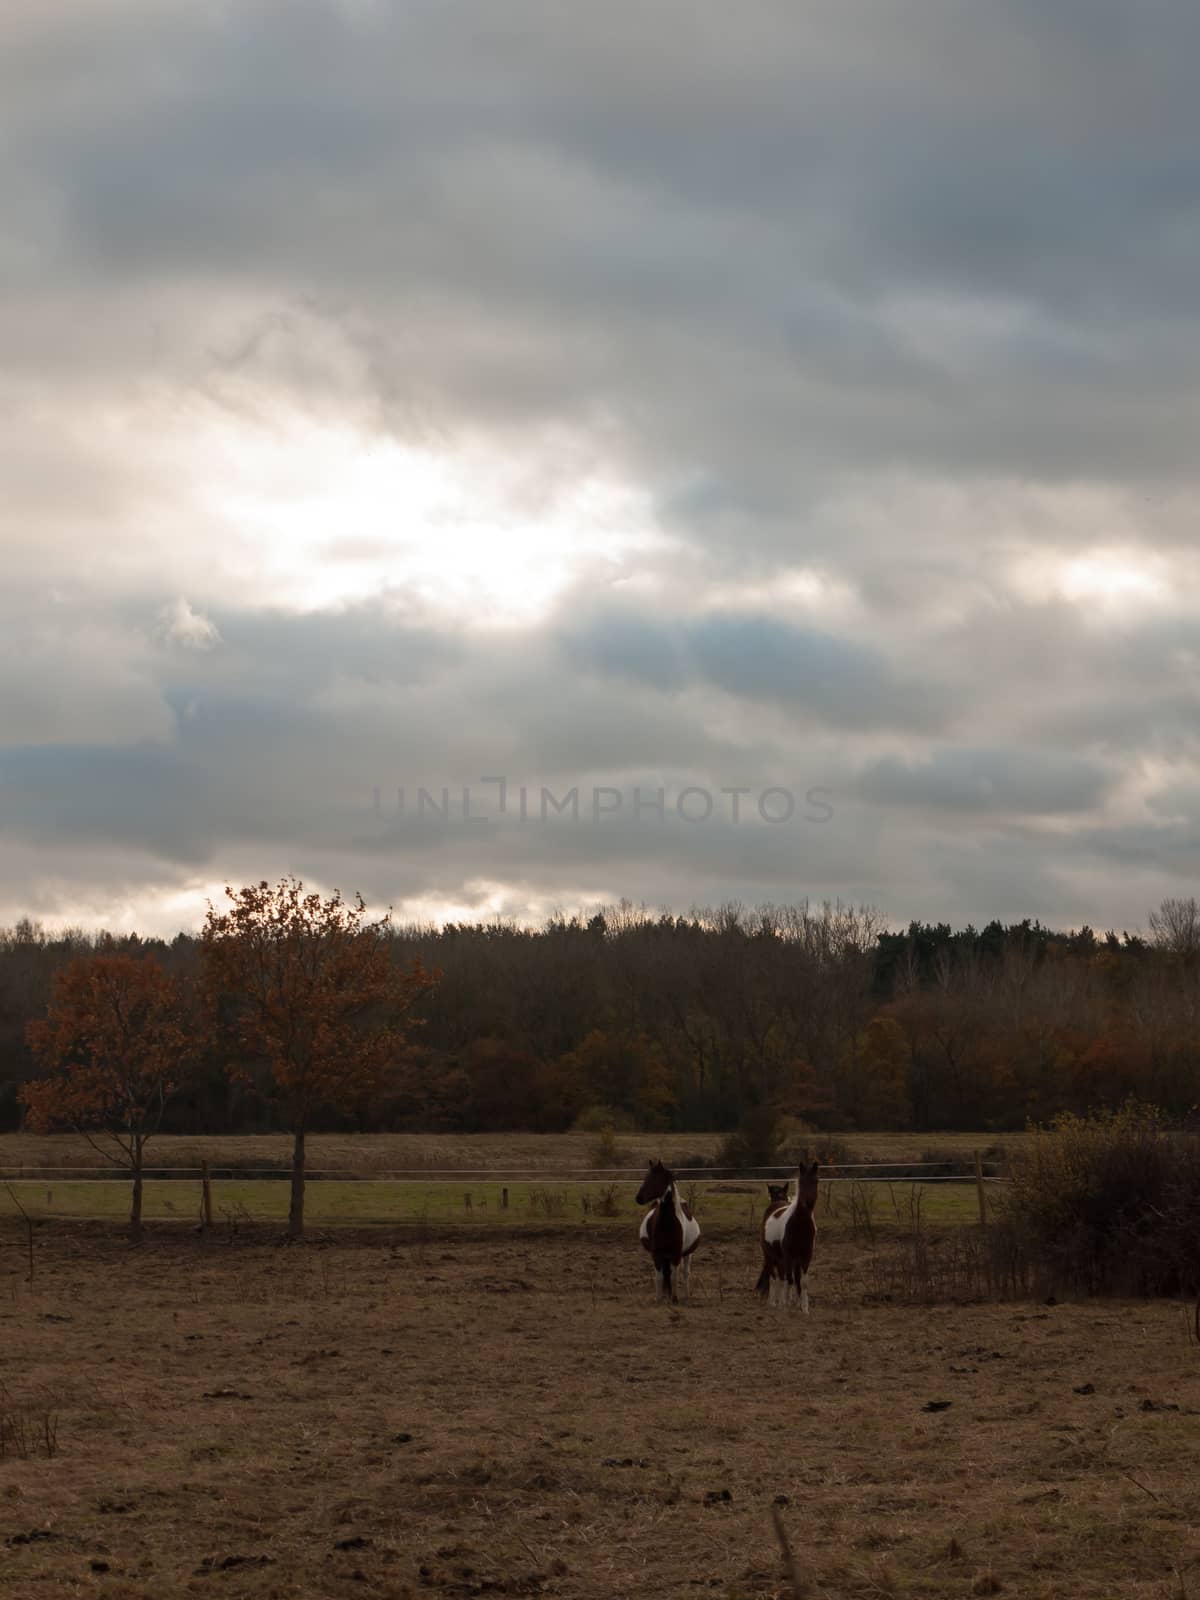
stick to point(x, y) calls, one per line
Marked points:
point(772, 1253)
point(669, 1231)
point(788, 1235)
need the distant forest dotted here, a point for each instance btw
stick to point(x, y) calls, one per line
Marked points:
point(698, 1022)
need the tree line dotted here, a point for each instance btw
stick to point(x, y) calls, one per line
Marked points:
point(674, 1022)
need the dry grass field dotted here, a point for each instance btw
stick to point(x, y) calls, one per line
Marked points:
point(424, 1413)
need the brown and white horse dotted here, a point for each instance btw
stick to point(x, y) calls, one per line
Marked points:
point(788, 1235)
point(669, 1231)
point(772, 1253)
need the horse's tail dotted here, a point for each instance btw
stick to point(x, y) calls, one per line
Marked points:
point(763, 1286)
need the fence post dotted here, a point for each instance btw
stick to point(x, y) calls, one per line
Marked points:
point(980, 1190)
point(504, 1199)
point(206, 1195)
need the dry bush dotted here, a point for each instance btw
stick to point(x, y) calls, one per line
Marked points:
point(27, 1427)
point(1106, 1204)
point(863, 1198)
point(604, 1153)
point(922, 1268)
point(547, 1202)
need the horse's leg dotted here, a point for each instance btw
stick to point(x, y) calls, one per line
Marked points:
point(804, 1292)
point(685, 1270)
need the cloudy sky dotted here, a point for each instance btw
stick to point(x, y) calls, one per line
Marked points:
point(793, 406)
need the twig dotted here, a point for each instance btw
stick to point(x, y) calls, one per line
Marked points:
point(789, 1561)
point(1141, 1486)
point(28, 1226)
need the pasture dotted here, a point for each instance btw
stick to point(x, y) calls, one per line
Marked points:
point(498, 1408)
point(546, 1186)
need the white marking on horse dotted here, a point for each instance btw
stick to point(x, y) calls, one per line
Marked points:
point(669, 1231)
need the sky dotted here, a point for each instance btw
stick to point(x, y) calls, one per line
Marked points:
point(773, 427)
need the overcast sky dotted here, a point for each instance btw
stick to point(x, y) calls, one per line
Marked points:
point(796, 401)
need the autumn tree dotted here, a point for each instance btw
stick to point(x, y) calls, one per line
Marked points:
point(115, 1050)
point(308, 989)
point(623, 1073)
point(873, 1084)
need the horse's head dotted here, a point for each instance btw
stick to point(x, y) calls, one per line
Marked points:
point(778, 1193)
point(806, 1181)
point(655, 1184)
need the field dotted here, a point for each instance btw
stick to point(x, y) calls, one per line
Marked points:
point(499, 1408)
point(546, 1183)
point(491, 1414)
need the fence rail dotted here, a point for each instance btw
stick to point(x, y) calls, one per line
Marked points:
point(508, 1189)
point(881, 1172)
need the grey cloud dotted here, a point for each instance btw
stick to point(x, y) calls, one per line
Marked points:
point(717, 245)
point(836, 681)
point(991, 782)
point(896, 299)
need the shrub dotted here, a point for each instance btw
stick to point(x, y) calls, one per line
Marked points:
point(756, 1142)
point(1105, 1204)
point(831, 1152)
point(595, 1119)
point(605, 1153)
point(768, 1137)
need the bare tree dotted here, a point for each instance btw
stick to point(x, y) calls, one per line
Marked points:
point(1175, 926)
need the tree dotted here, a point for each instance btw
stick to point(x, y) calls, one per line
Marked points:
point(115, 1049)
point(308, 988)
point(873, 1085)
point(626, 1073)
point(1175, 927)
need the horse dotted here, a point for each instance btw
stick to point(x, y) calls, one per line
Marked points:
point(791, 1231)
point(669, 1231)
point(772, 1253)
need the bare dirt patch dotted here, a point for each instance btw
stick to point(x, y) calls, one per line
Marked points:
point(512, 1415)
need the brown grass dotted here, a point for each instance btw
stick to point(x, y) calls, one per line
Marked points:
point(513, 1415)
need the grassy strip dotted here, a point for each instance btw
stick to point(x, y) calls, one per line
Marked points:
point(876, 1206)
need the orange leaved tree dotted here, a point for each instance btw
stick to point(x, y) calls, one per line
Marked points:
point(115, 1049)
point(309, 989)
